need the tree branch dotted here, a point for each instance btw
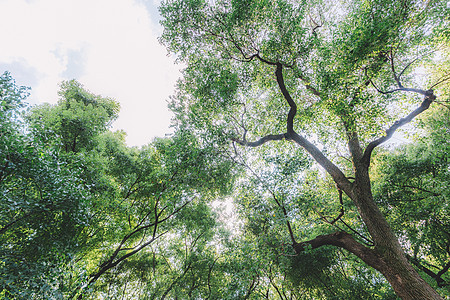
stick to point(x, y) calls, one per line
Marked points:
point(366, 241)
point(252, 287)
point(331, 168)
point(287, 96)
point(436, 276)
point(346, 241)
point(429, 98)
point(337, 175)
point(341, 213)
point(263, 140)
point(113, 260)
point(441, 80)
point(281, 206)
point(5, 228)
point(275, 286)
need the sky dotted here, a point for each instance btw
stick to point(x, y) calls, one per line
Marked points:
point(110, 47)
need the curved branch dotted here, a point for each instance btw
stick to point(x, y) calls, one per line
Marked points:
point(337, 175)
point(280, 79)
point(346, 241)
point(263, 140)
point(401, 88)
point(429, 97)
point(331, 168)
point(271, 63)
point(287, 96)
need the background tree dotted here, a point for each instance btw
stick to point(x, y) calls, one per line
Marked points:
point(330, 78)
point(43, 205)
point(85, 216)
point(163, 191)
point(78, 117)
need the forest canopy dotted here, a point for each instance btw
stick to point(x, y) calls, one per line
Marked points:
point(284, 112)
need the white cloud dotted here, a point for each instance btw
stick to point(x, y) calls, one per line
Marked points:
point(117, 53)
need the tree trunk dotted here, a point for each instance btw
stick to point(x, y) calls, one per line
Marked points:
point(403, 278)
point(393, 263)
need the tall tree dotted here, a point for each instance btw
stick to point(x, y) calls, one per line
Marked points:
point(42, 205)
point(83, 215)
point(330, 78)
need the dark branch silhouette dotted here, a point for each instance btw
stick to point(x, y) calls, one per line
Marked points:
point(429, 98)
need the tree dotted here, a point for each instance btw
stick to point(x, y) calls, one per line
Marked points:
point(158, 217)
point(78, 117)
point(42, 207)
point(83, 214)
point(56, 177)
point(325, 77)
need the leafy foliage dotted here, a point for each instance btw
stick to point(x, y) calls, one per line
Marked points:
point(43, 206)
point(274, 75)
point(84, 216)
point(78, 116)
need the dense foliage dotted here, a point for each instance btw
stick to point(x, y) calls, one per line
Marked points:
point(280, 114)
point(85, 215)
point(304, 93)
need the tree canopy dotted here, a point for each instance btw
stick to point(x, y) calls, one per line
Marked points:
point(337, 80)
point(282, 114)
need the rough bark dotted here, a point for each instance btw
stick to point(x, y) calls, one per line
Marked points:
point(405, 281)
point(403, 278)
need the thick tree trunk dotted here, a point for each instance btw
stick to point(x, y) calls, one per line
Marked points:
point(403, 278)
point(394, 265)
